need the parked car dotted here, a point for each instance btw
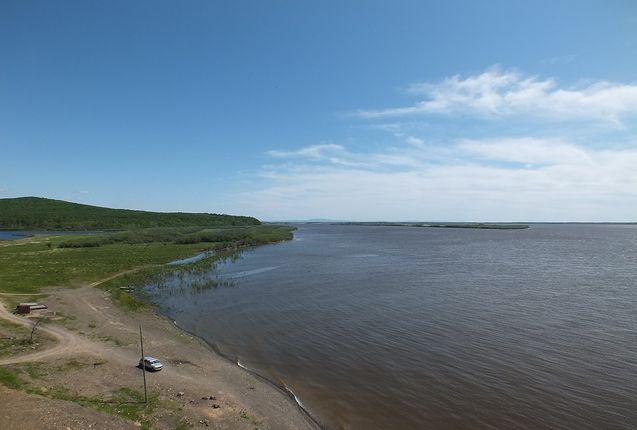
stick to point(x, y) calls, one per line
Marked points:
point(150, 363)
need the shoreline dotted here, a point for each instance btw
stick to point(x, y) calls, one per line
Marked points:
point(214, 349)
point(246, 399)
point(101, 348)
point(281, 388)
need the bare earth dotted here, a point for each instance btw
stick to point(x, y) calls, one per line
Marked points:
point(96, 353)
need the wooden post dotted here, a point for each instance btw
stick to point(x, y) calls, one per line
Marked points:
point(141, 342)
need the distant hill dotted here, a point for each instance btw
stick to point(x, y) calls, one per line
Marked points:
point(26, 213)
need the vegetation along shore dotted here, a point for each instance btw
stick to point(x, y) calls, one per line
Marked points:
point(90, 332)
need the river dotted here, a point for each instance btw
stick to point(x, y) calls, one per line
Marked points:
point(424, 328)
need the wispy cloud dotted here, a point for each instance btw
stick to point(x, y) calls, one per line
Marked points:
point(500, 93)
point(491, 179)
point(560, 59)
point(527, 167)
point(316, 152)
point(416, 142)
point(336, 154)
point(529, 151)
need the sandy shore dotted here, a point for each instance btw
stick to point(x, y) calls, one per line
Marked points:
point(96, 354)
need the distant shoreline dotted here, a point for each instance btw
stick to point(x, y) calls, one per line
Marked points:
point(487, 226)
point(432, 223)
point(483, 226)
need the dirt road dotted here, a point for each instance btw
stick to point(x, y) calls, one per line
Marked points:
point(68, 343)
point(95, 331)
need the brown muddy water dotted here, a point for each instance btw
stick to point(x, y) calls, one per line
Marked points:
point(423, 328)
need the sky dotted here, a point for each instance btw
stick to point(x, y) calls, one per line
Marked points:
point(344, 110)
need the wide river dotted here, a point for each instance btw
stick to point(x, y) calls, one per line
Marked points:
point(431, 328)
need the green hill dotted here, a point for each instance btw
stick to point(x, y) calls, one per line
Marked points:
point(30, 213)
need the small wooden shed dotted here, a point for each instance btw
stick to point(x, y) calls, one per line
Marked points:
point(25, 308)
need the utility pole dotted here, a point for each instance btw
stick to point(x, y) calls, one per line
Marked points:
point(141, 342)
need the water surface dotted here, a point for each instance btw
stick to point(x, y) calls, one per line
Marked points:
point(13, 235)
point(21, 234)
point(420, 328)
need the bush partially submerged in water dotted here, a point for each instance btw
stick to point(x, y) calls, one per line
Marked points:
point(133, 291)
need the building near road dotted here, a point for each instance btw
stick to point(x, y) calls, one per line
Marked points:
point(25, 308)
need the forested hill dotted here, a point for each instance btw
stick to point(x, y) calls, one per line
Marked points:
point(26, 213)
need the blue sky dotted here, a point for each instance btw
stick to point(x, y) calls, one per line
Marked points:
point(357, 110)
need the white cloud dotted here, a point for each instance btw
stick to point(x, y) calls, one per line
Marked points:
point(316, 152)
point(562, 59)
point(469, 180)
point(497, 94)
point(589, 176)
point(527, 150)
point(415, 141)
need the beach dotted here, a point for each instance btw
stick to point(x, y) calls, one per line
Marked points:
point(71, 385)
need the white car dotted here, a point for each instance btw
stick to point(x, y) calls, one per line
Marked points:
point(150, 363)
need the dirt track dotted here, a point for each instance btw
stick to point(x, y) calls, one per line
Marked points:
point(96, 331)
point(67, 342)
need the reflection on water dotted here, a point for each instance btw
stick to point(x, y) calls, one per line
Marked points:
point(414, 328)
point(21, 234)
point(13, 235)
point(192, 259)
point(244, 273)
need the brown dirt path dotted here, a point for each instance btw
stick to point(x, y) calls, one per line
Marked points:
point(97, 331)
point(67, 342)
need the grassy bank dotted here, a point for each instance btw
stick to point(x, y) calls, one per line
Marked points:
point(85, 319)
point(29, 264)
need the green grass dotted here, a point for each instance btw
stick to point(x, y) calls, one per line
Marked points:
point(31, 264)
point(10, 325)
point(29, 267)
point(16, 339)
point(11, 378)
point(240, 236)
point(124, 402)
point(38, 370)
point(35, 370)
point(127, 403)
point(123, 298)
point(72, 364)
